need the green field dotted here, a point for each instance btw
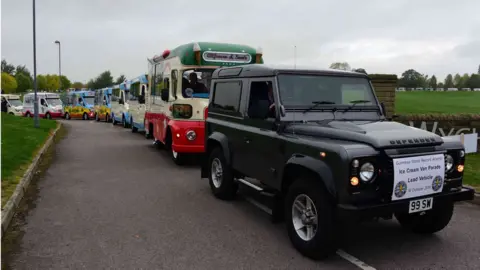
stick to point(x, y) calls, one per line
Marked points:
point(437, 102)
point(472, 171)
point(20, 142)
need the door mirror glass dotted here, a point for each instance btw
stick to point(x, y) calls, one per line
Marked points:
point(188, 92)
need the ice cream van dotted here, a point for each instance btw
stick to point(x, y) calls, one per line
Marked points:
point(79, 105)
point(49, 105)
point(14, 104)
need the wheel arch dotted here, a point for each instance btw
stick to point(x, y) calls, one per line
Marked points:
point(305, 165)
point(216, 139)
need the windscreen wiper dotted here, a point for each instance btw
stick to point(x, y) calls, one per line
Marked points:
point(355, 102)
point(316, 103)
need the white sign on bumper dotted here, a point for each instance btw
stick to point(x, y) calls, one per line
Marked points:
point(418, 176)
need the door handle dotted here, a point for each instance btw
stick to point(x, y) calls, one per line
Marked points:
point(247, 140)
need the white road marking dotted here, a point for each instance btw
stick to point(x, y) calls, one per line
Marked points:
point(354, 260)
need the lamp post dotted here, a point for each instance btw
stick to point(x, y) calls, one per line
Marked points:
point(35, 101)
point(59, 63)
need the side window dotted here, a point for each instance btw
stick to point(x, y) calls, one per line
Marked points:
point(43, 102)
point(115, 94)
point(174, 82)
point(261, 100)
point(227, 95)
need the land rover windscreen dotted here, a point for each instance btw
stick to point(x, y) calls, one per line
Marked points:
point(330, 95)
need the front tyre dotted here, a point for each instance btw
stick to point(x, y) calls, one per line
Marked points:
point(220, 176)
point(429, 222)
point(85, 116)
point(48, 116)
point(178, 158)
point(67, 116)
point(310, 218)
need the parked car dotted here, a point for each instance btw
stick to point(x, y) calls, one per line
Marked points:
point(317, 144)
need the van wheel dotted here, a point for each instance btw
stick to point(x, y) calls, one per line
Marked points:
point(431, 221)
point(113, 120)
point(107, 118)
point(134, 129)
point(124, 122)
point(67, 116)
point(96, 117)
point(85, 116)
point(11, 113)
point(310, 219)
point(27, 114)
point(220, 176)
point(48, 116)
point(178, 158)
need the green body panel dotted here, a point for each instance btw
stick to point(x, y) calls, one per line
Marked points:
point(187, 56)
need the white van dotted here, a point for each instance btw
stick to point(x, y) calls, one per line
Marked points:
point(14, 104)
point(49, 105)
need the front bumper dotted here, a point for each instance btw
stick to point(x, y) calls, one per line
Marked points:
point(348, 211)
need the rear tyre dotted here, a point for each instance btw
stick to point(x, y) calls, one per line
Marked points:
point(429, 222)
point(310, 219)
point(220, 176)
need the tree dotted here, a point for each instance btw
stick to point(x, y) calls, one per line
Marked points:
point(341, 66)
point(120, 79)
point(9, 84)
point(449, 81)
point(41, 82)
point(440, 85)
point(77, 85)
point(478, 72)
point(457, 80)
point(24, 82)
point(433, 82)
point(24, 70)
point(53, 82)
point(473, 81)
point(66, 83)
point(7, 68)
point(105, 79)
point(411, 79)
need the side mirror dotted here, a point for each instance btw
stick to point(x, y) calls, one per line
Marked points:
point(283, 112)
point(165, 94)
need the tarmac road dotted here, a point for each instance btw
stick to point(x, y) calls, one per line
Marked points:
point(112, 200)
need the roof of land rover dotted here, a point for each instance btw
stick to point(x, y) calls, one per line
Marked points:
point(262, 70)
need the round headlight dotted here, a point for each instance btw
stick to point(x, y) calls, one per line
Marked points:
point(462, 153)
point(191, 135)
point(367, 171)
point(448, 162)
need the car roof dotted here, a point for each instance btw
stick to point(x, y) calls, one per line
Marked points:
point(263, 70)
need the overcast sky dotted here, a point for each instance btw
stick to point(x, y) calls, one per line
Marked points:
point(431, 36)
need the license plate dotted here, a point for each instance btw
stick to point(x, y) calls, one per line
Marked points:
point(420, 205)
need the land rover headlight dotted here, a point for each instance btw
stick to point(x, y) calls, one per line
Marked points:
point(449, 162)
point(367, 171)
point(191, 135)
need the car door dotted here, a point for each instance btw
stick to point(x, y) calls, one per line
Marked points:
point(261, 144)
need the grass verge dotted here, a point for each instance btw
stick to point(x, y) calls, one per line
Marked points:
point(20, 143)
point(472, 171)
point(11, 238)
point(437, 102)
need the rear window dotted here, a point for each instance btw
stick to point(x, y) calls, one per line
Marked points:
point(226, 96)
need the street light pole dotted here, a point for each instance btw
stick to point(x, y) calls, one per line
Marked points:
point(35, 100)
point(59, 64)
